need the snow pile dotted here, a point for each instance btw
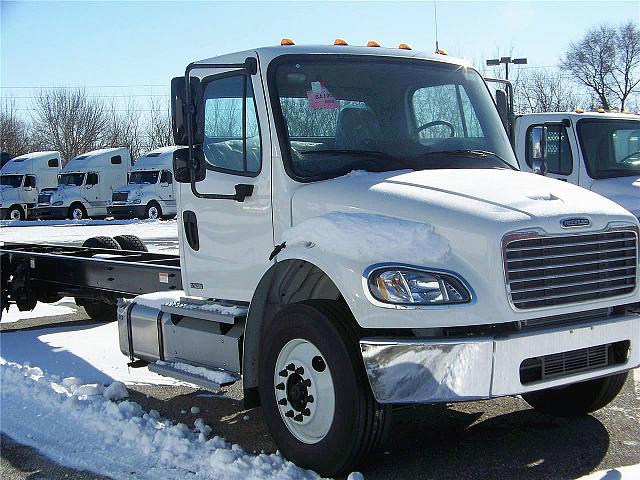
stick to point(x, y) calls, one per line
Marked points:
point(41, 310)
point(72, 423)
point(371, 237)
point(174, 299)
point(214, 376)
point(115, 391)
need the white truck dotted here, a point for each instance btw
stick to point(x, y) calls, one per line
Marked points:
point(596, 150)
point(149, 193)
point(355, 233)
point(85, 185)
point(22, 178)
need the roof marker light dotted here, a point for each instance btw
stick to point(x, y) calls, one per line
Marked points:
point(405, 46)
point(441, 51)
point(340, 41)
point(372, 43)
point(600, 110)
point(579, 110)
point(286, 41)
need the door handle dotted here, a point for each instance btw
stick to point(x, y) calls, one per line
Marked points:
point(243, 190)
point(190, 223)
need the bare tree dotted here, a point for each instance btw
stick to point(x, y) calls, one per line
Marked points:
point(158, 132)
point(14, 131)
point(606, 61)
point(545, 91)
point(123, 128)
point(69, 121)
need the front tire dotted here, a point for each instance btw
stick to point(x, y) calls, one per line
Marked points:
point(77, 212)
point(15, 213)
point(314, 391)
point(579, 398)
point(153, 211)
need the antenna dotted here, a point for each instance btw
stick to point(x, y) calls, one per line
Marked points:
point(435, 21)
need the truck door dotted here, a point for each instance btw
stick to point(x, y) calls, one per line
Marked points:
point(561, 150)
point(92, 188)
point(225, 243)
point(165, 187)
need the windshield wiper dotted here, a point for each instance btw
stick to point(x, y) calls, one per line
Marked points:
point(480, 153)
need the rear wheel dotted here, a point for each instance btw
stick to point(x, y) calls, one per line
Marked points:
point(15, 213)
point(579, 398)
point(130, 242)
point(315, 393)
point(77, 212)
point(99, 311)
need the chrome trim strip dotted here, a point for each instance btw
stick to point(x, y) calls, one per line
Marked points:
point(561, 245)
point(556, 286)
point(564, 255)
point(584, 292)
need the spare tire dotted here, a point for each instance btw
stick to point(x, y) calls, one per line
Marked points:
point(102, 242)
point(130, 242)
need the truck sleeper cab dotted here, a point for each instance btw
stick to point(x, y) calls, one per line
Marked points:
point(23, 178)
point(85, 185)
point(597, 151)
point(149, 192)
point(355, 233)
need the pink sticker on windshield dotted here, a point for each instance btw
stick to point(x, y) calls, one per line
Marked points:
point(320, 98)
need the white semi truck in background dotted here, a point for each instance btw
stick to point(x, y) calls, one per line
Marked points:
point(23, 178)
point(149, 193)
point(355, 234)
point(85, 185)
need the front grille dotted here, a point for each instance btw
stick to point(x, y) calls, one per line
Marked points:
point(575, 361)
point(548, 271)
point(44, 198)
point(119, 196)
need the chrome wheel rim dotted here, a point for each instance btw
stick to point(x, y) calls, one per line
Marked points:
point(77, 214)
point(304, 391)
point(153, 213)
point(15, 214)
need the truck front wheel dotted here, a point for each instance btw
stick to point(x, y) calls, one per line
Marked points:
point(153, 211)
point(77, 212)
point(579, 398)
point(15, 213)
point(314, 391)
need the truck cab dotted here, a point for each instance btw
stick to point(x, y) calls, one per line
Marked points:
point(85, 185)
point(23, 178)
point(149, 193)
point(597, 151)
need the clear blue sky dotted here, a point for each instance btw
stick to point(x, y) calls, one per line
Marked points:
point(146, 43)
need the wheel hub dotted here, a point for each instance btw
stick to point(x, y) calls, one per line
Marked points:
point(304, 394)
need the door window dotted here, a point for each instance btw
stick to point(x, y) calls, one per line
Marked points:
point(166, 177)
point(559, 158)
point(230, 145)
point(30, 181)
point(92, 179)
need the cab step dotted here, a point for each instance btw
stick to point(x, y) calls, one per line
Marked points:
point(208, 379)
point(215, 311)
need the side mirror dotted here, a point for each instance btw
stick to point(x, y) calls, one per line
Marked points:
point(503, 108)
point(182, 169)
point(180, 111)
point(539, 150)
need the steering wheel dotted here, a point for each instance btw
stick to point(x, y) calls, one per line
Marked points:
point(629, 157)
point(449, 125)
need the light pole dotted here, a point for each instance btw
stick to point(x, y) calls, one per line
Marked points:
point(506, 60)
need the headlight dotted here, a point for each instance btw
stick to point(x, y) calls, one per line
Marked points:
point(57, 204)
point(137, 200)
point(403, 286)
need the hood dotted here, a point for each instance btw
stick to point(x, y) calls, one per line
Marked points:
point(622, 190)
point(464, 200)
point(10, 194)
point(128, 188)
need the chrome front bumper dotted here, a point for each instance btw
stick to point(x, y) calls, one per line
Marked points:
point(448, 370)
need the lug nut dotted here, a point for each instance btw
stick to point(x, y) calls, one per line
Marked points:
point(280, 386)
point(283, 373)
point(291, 367)
point(289, 414)
point(306, 412)
point(282, 401)
point(309, 399)
point(298, 418)
point(307, 383)
point(300, 371)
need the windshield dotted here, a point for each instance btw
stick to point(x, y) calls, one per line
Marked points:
point(342, 114)
point(138, 178)
point(76, 179)
point(11, 180)
point(611, 148)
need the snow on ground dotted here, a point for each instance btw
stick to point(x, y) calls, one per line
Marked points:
point(41, 310)
point(90, 352)
point(78, 426)
point(621, 473)
point(159, 236)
